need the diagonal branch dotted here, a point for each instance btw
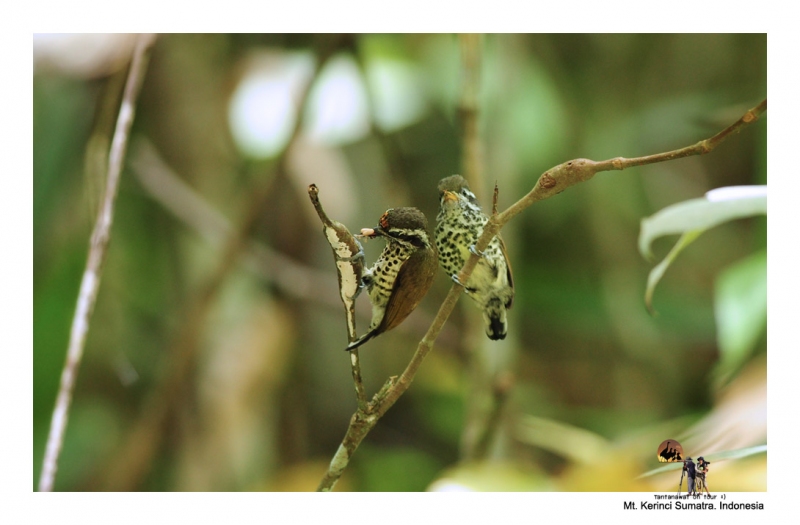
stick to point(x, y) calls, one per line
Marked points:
point(561, 177)
point(550, 183)
point(90, 283)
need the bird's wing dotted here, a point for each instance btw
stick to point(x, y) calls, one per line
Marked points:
point(508, 269)
point(409, 288)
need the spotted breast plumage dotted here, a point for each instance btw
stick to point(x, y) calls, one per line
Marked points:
point(459, 224)
point(403, 273)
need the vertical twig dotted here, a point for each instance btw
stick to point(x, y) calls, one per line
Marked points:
point(349, 258)
point(494, 199)
point(471, 155)
point(98, 245)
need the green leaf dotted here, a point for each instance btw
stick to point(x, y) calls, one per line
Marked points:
point(693, 217)
point(719, 206)
point(740, 308)
point(656, 273)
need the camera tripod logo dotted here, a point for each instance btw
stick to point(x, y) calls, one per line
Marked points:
point(670, 451)
point(696, 474)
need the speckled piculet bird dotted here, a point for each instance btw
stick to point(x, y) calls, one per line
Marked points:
point(459, 224)
point(403, 273)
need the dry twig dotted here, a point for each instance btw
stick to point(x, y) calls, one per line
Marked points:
point(90, 283)
point(349, 257)
point(471, 155)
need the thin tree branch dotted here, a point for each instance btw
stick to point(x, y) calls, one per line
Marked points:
point(561, 177)
point(90, 283)
point(349, 258)
point(701, 148)
point(494, 198)
point(472, 153)
point(550, 183)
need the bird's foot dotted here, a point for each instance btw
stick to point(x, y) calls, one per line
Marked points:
point(352, 258)
point(474, 250)
point(456, 280)
point(361, 287)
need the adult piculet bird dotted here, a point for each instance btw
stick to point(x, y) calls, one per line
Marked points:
point(459, 224)
point(403, 273)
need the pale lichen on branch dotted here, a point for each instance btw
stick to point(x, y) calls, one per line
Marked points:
point(348, 256)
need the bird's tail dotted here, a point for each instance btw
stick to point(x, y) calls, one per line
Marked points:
point(494, 315)
point(361, 340)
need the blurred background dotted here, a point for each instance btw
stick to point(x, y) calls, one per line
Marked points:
point(215, 355)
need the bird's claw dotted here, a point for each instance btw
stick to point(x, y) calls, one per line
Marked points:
point(474, 250)
point(359, 255)
point(456, 280)
point(358, 292)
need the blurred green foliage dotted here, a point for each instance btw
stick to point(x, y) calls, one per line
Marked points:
point(240, 388)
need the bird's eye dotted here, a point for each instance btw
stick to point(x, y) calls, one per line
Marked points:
point(384, 221)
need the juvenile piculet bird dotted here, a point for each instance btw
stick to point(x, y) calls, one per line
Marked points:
point(459, 224)
point(403, 273)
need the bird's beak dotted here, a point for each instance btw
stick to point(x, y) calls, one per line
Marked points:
point(379, 230)
point(450, 196)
